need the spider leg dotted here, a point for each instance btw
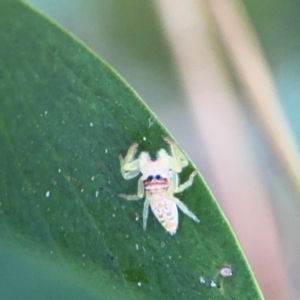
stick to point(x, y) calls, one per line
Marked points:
point(145, 213)
point(185, 210)
point(179, 188)
point(138, 196)
point(179, 160)
point(130, 167)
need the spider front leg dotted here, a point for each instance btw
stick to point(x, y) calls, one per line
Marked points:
point(179, 160)
point(130, 167)
point(138, 196)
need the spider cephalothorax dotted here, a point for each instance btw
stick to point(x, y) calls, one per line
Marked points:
point(159, 181)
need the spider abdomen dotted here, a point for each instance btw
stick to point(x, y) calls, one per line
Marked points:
point(165, 210)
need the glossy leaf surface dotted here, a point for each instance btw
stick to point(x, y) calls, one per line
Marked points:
point(65, 116)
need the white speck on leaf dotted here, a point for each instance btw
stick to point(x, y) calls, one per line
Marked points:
point(226, 271)
point(150, 123)
point(59, 170)
point(47, 194)
point(136, 246)
point(139, 283)
point(106, 151)
point(97, 194)
point(202, 280)
point(213, 284)
point(91, 124)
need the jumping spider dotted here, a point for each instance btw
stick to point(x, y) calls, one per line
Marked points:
point(159, 181)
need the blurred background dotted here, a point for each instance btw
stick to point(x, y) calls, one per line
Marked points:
point(223, 77)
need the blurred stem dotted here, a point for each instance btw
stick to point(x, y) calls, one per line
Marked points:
point(248, 61)
point(237, 179)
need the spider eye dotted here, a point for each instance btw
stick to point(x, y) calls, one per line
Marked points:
point(157, 177)
point(150, 178)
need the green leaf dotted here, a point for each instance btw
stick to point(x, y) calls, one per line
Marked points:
point(65, 116)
